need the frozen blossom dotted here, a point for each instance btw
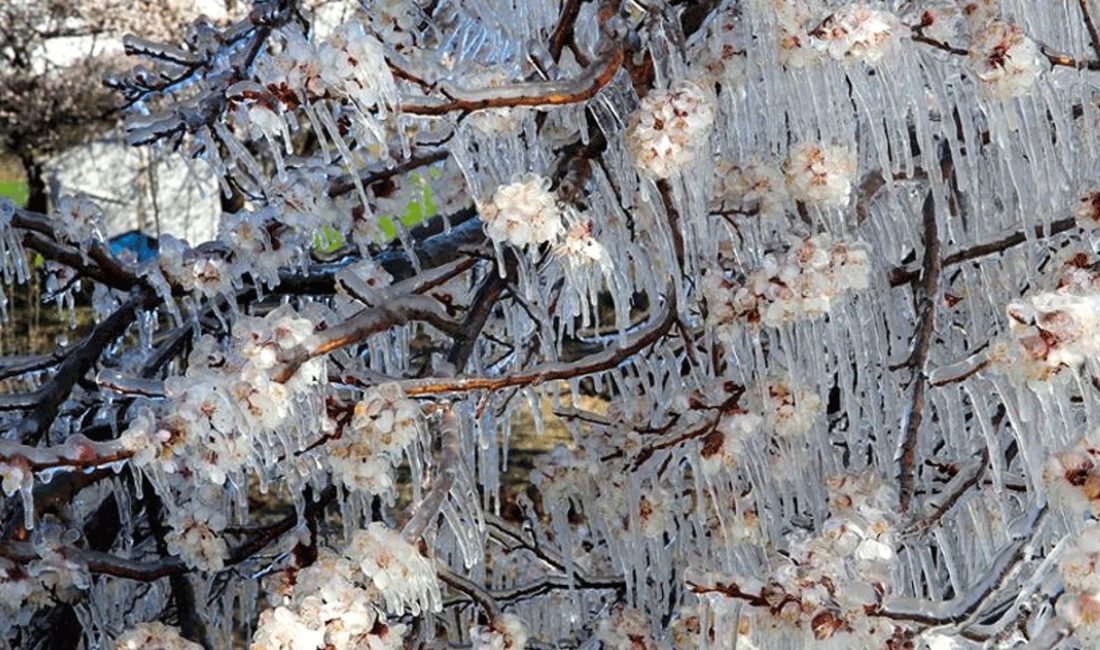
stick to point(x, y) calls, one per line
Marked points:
point(857, 32)
point(828, 582)
point(722, 445)
point(353, 62)
point(670, 129)
point(788, 409)
point(754, 188)
point(1087, 211)
point(820, 174)
point(507, 632)
point(793, 19)
point(580, 248)
point(1072, 477)
point(328, 604)
point(405, 578)
point(1051, 331)
point(1079, 606)
point(282, 629)
point(625, 629)
point(719, 59)
point(78, 220)
point(803, 284)
point(382, 427)
point(195, 534)
point(524, 213)
point(1005, 61)
point(154, 636)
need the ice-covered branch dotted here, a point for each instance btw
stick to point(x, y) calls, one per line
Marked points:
point(545, 372)
point(927, 300)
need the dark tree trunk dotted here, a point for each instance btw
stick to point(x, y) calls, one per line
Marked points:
point(38, 199)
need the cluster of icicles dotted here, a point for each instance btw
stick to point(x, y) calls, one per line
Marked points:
point(737, 480)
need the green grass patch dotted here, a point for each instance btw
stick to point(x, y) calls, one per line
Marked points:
point(14, 190)
point(420, 208)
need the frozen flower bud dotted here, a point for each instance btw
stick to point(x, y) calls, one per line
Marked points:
point(579, 248)
point(1005, 61)
point(941, 20)
point(857, 32)
point(792, 18)
point(789, 410)
point(821, 174)
point(524, 213)
point(1081, 611)
point(153, 636)
point(670, 128)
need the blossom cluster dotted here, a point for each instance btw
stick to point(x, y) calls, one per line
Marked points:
point(524, 213)
point(349, 63)
point(670, 129)
point(1072, 477)
point(1052, 330)
point(804, 283)
point(1005, 61)
point(755, 187)
point(195, 527)
point(146, 636)
point(828, 583)
point(1079, 606)
point(342, 599)
point(383, 425)
point(775, 407)
point(820, 174)
point(506, 632)
point(857, 32)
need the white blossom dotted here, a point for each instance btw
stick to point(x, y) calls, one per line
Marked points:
point(1005, 61)
point(523, 213)
point(153, 636)
point(670, 129)
point(506, 632)
point(406, 579)
point(820, 173)
point(857, 32)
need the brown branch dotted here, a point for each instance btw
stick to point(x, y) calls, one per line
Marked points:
point(932, 267)
point(51, 395)
point(420, 515)
point(365, 323)
point(563, 33)
point(1094, 35)
point(533, 94)
point(346, 183)
point(1056, 59)
point(604, 360)
point(108, 564)
point(901, 275)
